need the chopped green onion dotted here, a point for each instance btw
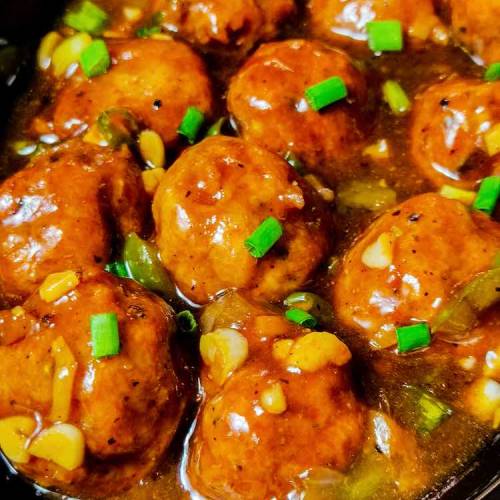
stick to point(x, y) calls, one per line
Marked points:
point(431, 412)
point(264, 237)
point(326, 92)
point(118, 268)
point(147, 31)
point(105, 335)
point(187, 322)
point(488, 194)
point(117, 126)
point(492, 73)
point(144, 265)
point(413, 337)
point(95, 59)
point(191, 124)
point(385, 36)
point(301, 317)
point(216, 128)
point(88, 18)
point(294, 162)
point(311, 303)
point(396, 97)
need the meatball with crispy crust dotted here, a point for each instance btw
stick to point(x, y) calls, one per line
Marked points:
point(213, 198)
point(344, 21)
point(154, 80)
point(266, 98)
point(63, 211)
point(408, 264)
point(127, 406)
point(254, 433)
point(449, 124)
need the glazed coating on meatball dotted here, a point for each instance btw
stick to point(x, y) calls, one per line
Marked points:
point(449, 122)
point(266, 97)
point(345, 22)
point(213, 198)
point(241, 449)
point(474, 24)
point(62, 212)
point(155, 80)
point(425, 245)
point(127, 406)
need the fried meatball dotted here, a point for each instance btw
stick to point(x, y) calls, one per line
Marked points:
point(409, 262)
point(474, 24)
point(244, 449)
point(266, 97)
point(449, 122)
point(127, 406)
point(345, 22)
point(62, 212)
point(213, 198)
point(155, 80)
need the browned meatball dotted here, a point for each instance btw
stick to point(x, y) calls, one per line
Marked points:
point(266, 97)
point(126, 406)
point(213, 198)
point(155, 80)
point(62, 212)
point(253, 437)
point(474, 24)
point(344, 21)
point(449, 123)
point(407, 265)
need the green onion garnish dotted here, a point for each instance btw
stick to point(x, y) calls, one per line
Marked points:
point(191, 124)
point(492, 73)
point(118, 268)
point(311, 303)
point(294, 162)
point(301, 317)
point(385, 36)
point(431, 412)
point(88, 18)
point(105, 335)
point(187, 322)
point(216, 128)
point(264, 237)
point(396, 97)
point(95, 59)
point(147, 31)
point(326, 92)
point(488, 194)
point(413, 337)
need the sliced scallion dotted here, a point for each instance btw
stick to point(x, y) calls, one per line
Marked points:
point(295, 162)
point(117, 126)
point(147, 31)
point(95, 59)
point(264, 237)
point(326, 92)
point(395, 97)
point(311, 303)
point(431, 412)
point(187, 322)
point(105, 335)
point(487, 196)
point(216, 128)
point(88, 17)
point(118, 268)
point(492, 72)
point(413, 337)
point(301, 317)
point(191, 124)
point(385, 36)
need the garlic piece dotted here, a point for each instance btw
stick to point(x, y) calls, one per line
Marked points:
point(273, 399)
point(378, 255)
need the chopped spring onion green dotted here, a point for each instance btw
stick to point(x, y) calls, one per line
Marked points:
point(301, 317)
point(385, 36)
point(311, 303)
point(95, 59)
point(147, 31)
point(191, 124)
point(294, 162)
point(487, 196)
point(413, 337)
point(431, 412)
point(492, 73)
point(117, 126)
point(88, 17)
point(264, 237)
point(187, 322)
point(216, 128)
point(396, 97)
point(118, 268)
point(105, 335)
point(326, 92)
point(144, 265)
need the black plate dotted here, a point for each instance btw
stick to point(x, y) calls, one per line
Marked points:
point(22, 23)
